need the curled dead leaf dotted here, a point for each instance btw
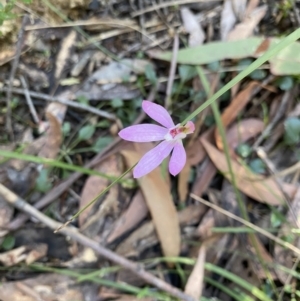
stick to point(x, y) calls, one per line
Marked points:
point(245, 29)
point(54, 138)
point(262, 189)
point(194, 284)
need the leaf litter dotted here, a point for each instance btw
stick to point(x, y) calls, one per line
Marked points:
point(154, 216)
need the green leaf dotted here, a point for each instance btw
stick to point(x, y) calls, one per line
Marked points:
point(101, 143)
point(209, 120)
point(8, 243)
point(292, 130)
point(43, 184)
point(150, 74)
point(66, 128)
point(257, 166)
point(82, 99)
point(284, 62)
point(186, 72)
point(214, 66)
point(285, 83)
point(275, 220)
point(117, 103)
point(258, 74)
point(104, 124)
point(86, 132)
point(244, 150)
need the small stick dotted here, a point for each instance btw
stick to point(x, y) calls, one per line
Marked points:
point(69, 103)
point(29, 101)
point(73, 232)
point(8, 122)
point(172, 72)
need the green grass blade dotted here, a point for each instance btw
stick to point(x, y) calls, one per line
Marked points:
point(242, 283)
point(54, 163)
point(229, 292)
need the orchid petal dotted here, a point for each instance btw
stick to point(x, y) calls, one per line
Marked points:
point(153, 158)
point(178, 159)
point(143, 133)
point(190, 127)
point(158, 113)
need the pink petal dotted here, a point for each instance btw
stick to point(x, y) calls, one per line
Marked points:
point(143, 133)
point(190, 127)
point(158, 113)
point(178, 159)
point(153, 158)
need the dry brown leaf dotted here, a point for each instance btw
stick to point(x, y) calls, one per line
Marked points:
point(38, 251)
point(54, 138)
point(135, 213)
point(195, 151)
point(13, 257)
point(238, 133)
point(44, 287)
point(193, 27)
point(262, 189)
point(140, 240)
point(245, 29)
point(207, 223)
point(64, 54)
point(6, 53)
point(282, 255)
point(95, 184)
point(235, 107)
point(58, 109)
point(159, 201)
point(194, 284)
point(252, 4)
point(145, 236)
point(232, 10)
point(6, 214)
point(242, 131)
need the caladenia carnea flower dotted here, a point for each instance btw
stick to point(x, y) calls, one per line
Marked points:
point(170, 134)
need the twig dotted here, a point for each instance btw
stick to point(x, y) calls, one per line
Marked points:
point(172, 72)
point(29, 101)
point(63, 101)
point(248, 224)
point(72, 232)
point(55, 192)
point(166, 4)
point(8, 122)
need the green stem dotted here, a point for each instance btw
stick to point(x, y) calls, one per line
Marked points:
point(103, 192)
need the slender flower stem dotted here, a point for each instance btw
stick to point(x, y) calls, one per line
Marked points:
point(96, 198)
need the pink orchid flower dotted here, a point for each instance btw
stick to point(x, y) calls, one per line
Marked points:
point(170, 135)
